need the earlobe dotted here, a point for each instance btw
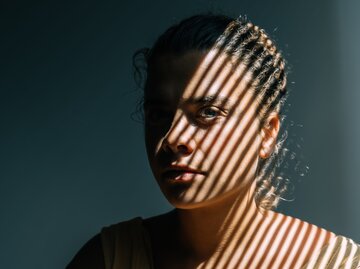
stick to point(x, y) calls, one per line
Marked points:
point(269, 134)
point(267, 147)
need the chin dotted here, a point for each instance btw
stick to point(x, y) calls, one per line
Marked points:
point(187, 205)
point(182, 202)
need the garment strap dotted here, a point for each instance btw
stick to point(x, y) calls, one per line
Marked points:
point(126, 245)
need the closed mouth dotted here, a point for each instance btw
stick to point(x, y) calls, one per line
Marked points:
point(180, 174)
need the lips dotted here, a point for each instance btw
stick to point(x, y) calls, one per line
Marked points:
point(180, 174)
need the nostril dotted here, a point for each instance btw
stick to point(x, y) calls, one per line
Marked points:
point(183, 149)
point(176, 147)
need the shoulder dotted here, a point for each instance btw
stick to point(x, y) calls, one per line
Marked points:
point(309, 245)
point(121, 231)
point(341, 252)
point(95, 253)
point(90, 256)
point(306, 232)
point(296, 241)
point(116, 237)
point(347, 251)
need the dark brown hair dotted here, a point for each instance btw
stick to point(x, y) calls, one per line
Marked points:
point(246, 43)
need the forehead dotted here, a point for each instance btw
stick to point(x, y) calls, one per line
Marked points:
point(195, 75)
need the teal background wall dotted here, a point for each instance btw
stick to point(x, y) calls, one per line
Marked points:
point(73, 161)
point(349, 36)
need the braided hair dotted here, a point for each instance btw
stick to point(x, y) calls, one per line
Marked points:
point(249, 45)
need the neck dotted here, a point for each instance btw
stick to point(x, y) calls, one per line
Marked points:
point(206, 231)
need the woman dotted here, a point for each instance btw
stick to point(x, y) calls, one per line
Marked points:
point(212, 100)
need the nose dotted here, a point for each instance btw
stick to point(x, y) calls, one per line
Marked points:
point(180, 137)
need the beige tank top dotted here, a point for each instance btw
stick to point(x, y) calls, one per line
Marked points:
point(127, 245)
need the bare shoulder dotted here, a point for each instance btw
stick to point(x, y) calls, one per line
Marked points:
point(90, 256)
point(296, 241)
point(303, 233)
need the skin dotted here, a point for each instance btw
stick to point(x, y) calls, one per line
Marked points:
point(204, 141)
point(204, 155)
point(194, 127)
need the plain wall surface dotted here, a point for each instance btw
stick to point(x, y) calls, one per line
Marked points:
point(348, 11)
point(73, 161)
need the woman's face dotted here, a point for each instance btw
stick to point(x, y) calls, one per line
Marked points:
point(202, 132)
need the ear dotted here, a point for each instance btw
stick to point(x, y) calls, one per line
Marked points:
point(269, 133)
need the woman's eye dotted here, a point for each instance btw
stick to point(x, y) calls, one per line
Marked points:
point(209, 112)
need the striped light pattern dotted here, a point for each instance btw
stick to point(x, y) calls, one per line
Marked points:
point(244, 66)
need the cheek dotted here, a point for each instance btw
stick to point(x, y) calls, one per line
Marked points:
point(232, 140)
point(151, 143)
point(153, 138)
point(232, 157)
point(238, 151)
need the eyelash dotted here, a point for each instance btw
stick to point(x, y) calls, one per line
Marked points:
point(201, 114)
point(155, 115)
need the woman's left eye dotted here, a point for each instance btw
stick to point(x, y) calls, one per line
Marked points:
point(209, 112)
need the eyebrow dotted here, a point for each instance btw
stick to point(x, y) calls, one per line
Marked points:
point(210, 99)
point(202, 100)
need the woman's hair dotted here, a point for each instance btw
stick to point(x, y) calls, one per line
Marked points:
point(245, 44)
